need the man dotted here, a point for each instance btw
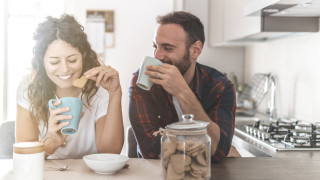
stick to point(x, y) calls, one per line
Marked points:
point(182, 86)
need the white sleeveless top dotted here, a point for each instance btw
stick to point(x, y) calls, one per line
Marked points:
point(83, 142)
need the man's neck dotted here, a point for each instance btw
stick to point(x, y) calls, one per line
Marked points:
point(189, 74)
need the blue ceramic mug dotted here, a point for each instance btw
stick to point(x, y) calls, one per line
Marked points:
point(75, 106)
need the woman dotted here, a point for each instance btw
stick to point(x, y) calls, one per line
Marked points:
point(62, 54)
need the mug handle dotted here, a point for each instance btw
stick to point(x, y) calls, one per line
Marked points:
point(50, 103)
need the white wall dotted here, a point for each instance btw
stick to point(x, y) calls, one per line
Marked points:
point(296, 62)
point(2, 57)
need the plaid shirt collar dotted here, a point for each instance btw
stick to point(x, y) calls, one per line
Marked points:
point(197, 82)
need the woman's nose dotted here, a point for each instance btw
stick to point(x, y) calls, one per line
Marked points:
point(64, 67)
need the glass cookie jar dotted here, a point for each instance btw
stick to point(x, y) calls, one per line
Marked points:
point(186, 150)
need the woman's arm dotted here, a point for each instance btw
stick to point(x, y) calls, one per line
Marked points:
point(109, 128)
point(26, 129)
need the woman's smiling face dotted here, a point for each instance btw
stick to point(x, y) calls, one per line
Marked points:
point(63, 63)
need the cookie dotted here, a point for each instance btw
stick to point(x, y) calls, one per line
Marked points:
point(189, 177)
point(201, 159)
point(177, 163)
point(171, 173)
point(168, 147)
point(184, 145)
point(198, 169)
point(187, 168)
point(80, 83)
point(187, 160)
point(196, 150)
point(195, 174)
point(195, 147)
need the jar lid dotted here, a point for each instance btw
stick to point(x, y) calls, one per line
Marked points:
point(188, 123)
point(28, 147)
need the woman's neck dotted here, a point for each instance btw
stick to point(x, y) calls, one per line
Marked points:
point(70, 92)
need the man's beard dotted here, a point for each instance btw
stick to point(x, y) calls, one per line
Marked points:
point(183, 64)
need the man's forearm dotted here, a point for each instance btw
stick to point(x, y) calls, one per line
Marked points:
point(190, 105)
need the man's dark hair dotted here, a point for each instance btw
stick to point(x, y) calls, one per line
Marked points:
point(190, 24)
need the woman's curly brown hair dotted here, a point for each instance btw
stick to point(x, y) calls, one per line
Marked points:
point(41, 88)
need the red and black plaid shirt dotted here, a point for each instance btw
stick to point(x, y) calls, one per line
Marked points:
point(150, 110)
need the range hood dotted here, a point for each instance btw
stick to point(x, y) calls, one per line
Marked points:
point(282, 18)
point(284, 8)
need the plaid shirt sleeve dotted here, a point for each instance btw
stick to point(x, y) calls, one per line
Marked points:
point(144, 122)
point(223, 114)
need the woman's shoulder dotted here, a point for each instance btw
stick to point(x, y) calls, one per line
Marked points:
point(22, 92)
point(24, 83)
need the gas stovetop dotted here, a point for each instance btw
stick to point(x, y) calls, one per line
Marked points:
point(284, 134)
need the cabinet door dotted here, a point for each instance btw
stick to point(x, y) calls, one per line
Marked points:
point(236, 24)
point(227, 22)
point(216, 22)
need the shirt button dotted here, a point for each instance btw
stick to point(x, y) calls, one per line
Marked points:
point(159, 117)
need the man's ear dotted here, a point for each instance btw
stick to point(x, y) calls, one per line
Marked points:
point(195, 49)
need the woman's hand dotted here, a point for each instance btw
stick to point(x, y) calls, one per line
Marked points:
point(105, 76)
point(54, 128)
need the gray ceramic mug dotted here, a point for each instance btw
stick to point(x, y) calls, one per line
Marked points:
point(143, 81)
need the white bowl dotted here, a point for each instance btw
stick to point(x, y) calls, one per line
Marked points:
point(105, 163)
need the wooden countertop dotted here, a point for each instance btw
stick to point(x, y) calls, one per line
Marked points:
point(256, 168)
point(144, 169)
point(139, 169)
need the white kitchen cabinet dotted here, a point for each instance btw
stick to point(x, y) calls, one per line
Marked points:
point(216, 22)
point(237, 25)
point(227, 22)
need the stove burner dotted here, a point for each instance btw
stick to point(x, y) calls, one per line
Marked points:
point(276, 136)
point(304, 125)
point(299, 139)
point(292, 133)
point(301, 132)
